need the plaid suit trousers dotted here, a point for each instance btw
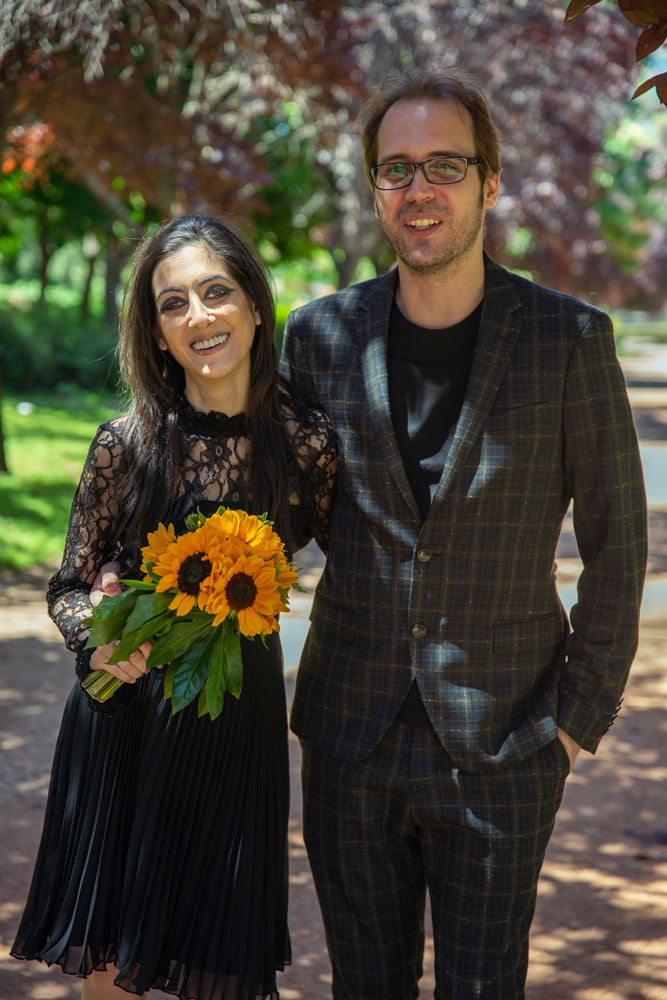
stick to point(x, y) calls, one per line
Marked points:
point(380, 831)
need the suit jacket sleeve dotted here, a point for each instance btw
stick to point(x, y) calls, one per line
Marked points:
point(603, 475)
point(292, 365)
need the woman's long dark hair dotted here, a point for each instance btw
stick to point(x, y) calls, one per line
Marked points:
point(155, 383)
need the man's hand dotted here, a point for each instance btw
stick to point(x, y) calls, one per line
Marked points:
point(571, 748)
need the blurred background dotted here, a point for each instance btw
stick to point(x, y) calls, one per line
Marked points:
point(115, 116)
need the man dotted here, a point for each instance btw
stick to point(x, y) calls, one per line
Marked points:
point(443, 694)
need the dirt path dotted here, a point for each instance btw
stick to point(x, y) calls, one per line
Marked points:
point(600, 932)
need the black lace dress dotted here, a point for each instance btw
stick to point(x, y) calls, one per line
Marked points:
point(164, 844)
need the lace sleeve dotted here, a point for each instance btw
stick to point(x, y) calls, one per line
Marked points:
point(317, 460)
point(89, 538)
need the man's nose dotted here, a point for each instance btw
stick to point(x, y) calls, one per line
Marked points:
point(420, 189)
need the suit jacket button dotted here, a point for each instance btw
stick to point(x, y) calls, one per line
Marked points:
point(419, 631)
point(424, 555)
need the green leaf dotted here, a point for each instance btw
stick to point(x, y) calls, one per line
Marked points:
point(190, 672)
point(195, 520)
point(132, 640)
point(202, 704)
point(139, 584)
point(109, 617)
point(216, 682)
point(148, 606)
point(178, 639)
point(234, 668)
point(168, 681)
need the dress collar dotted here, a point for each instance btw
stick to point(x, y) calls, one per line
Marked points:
point(212, 424)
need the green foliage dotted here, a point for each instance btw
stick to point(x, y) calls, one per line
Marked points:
point(296, 282)
point(47, 439)
point(49, 344)
point(297, 204)
point(631, 330)
point(45, 211)
point(631, 188)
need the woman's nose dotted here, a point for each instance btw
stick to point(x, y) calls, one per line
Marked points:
point(199, 315)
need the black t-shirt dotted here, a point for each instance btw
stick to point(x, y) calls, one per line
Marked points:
point(428, 376)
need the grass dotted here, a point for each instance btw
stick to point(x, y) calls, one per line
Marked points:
point(46, 441)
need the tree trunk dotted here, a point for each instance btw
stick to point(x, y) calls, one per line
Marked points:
point(85, 297)
point(115, 261)
point(44, 258)
point(3, 459)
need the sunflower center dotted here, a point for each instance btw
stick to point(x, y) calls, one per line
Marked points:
point(193, 571)
point(240, 591)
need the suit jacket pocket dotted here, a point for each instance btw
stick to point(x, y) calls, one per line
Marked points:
point(529, 635)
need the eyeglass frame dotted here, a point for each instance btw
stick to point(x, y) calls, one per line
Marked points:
point(470, 161)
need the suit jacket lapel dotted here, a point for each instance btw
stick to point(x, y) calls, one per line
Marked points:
point(499, 327)
point(372, 340)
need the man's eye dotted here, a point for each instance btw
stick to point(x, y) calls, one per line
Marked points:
point(396, 170)
point(445, 168)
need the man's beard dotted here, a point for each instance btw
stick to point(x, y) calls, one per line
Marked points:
point(455, 247)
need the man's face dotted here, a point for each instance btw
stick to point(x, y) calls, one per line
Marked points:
point(432, 226)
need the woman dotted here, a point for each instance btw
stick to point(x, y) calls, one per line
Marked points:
point(163, 856)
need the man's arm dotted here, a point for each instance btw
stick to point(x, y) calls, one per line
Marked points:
point(604, 475)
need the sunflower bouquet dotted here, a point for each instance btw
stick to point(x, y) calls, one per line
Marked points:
point(226, 577)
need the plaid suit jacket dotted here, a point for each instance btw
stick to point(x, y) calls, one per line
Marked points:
point(466, 601)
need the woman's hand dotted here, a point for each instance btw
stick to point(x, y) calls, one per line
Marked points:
point(129, 670)
point(106, 584)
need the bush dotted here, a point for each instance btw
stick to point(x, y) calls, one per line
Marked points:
point(49, 344)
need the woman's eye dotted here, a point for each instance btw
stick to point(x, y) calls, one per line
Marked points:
point(172, 304)
point(217, 291)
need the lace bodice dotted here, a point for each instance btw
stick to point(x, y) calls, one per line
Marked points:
point(215, 470)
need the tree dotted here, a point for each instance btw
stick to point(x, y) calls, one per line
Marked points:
point(651, 17)
point(539, 81)
point(38, 187)
point(178, 81)
point(193, 85)
point(158, 100)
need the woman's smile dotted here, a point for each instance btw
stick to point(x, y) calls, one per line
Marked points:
point(207, 323)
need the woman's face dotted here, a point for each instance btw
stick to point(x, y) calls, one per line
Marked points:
point(207, 323)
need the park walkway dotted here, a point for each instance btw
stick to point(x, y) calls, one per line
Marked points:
point(600, 931)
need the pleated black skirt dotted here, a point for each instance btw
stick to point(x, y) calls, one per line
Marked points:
point(163, 853)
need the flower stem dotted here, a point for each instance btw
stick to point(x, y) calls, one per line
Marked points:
point(101, 685)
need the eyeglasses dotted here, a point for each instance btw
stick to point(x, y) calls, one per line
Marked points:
point(438, 170)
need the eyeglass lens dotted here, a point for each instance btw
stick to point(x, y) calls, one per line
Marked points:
point(439, 170)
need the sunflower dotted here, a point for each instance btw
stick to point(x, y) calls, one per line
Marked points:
point(158, 541)
point(286, 575)
point(229, 570)
point(249, 592)
point(254, 531)
point(192, 566)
